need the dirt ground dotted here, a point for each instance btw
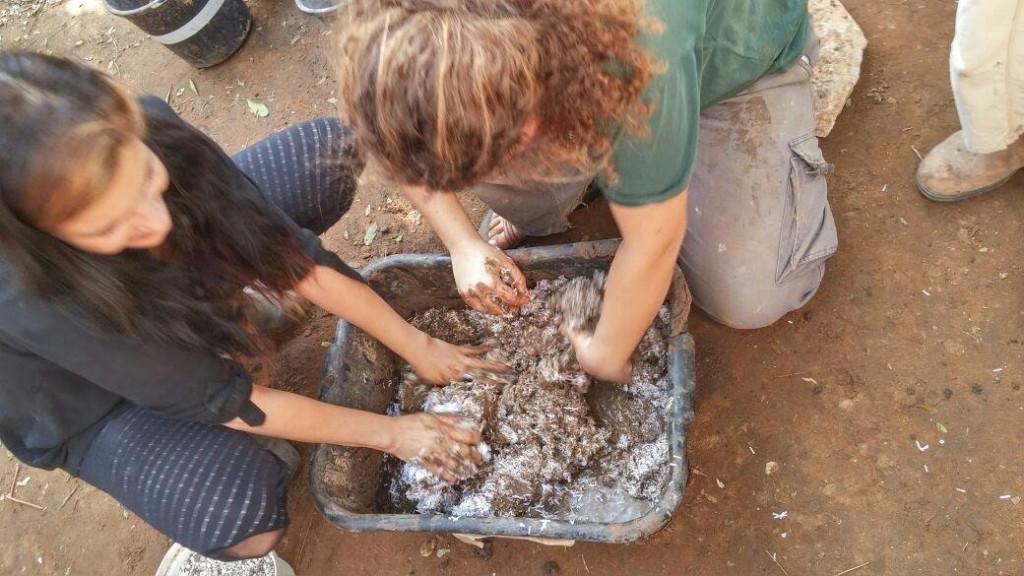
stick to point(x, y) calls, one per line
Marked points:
point(891, 405)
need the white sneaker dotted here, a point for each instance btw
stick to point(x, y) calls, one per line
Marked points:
point(180, 561)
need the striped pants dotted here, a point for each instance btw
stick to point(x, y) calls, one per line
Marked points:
point(205, 486)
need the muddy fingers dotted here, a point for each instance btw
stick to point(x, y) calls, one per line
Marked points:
point(462, 430)
point(434, 466)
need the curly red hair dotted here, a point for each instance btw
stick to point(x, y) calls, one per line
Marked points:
point(438, 91)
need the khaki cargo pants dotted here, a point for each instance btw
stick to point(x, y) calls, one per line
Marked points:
point(760, 226)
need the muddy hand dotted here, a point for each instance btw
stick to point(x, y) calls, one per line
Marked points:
point(440, 362)
point(441, 443)
point(592, 360)
point(488, 280)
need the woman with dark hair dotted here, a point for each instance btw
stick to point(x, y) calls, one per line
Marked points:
point(128, 243)
point(692, 117)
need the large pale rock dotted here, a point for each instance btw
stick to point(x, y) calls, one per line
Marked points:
point(838, 67)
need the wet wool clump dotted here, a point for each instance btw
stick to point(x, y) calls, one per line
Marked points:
point(548, 453)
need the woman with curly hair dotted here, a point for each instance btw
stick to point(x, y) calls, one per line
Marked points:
point(692, 117)
point(128, 241)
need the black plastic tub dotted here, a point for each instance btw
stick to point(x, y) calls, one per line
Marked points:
point(344, 481)
point(202, 32)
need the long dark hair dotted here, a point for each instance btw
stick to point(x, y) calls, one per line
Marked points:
point(63, 126)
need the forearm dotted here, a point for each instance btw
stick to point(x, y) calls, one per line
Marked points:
point(488, 280)
point(446, 216)
point(433, 360)
point(360, 305)
point(640, 275)
point(637, 284)
point(302, 419)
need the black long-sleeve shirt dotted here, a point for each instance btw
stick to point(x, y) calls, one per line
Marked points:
point(61, 379)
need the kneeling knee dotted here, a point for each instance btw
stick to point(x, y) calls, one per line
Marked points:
point(746, 317)
point(256, 546)
point(752, 308)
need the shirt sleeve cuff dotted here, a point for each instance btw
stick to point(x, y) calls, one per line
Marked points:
point(232, 401)
point(314, 248)
point(631, 200)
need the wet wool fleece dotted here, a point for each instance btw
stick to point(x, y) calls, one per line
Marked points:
point(542, 445)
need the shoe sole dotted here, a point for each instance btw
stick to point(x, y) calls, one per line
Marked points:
point(932, 195)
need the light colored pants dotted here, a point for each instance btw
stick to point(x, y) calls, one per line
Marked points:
point(760, 227)
point(986, 66)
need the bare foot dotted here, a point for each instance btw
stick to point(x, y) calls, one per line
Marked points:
point(502, 233)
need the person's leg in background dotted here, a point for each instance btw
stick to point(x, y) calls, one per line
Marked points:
point(987, 73)
point(760, 227)
point(531, 206)
point(310, 171)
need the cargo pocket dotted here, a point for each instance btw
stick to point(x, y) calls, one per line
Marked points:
point(808, 230)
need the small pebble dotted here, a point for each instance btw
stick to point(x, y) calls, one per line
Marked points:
point(428, 547)
point(486, 552)
point(976, 388)
point(947, 393)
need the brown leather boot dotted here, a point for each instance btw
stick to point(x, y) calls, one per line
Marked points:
point(950, 172)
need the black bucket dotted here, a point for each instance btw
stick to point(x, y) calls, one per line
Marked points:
point(360, 374)
point(202, 32)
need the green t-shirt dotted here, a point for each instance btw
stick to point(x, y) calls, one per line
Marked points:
point(710, 51)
